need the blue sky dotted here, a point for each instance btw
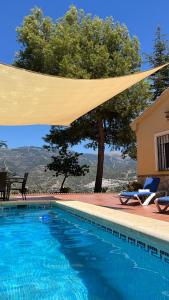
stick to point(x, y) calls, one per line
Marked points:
point(141, 18)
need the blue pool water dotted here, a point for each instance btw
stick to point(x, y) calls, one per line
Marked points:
point(50, 254)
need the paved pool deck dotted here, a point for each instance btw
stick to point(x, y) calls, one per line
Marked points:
point(109, 200)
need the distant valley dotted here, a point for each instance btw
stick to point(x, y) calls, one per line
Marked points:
point(117, 171)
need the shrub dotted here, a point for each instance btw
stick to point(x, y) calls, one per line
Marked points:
point(104, 189)
point(134, 186)
point(65, 190)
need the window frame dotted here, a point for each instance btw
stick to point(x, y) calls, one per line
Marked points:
point(162, 133)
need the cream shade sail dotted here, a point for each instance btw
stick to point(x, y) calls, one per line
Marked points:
point(28, 98)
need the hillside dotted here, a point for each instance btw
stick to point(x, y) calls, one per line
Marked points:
point(117, 172)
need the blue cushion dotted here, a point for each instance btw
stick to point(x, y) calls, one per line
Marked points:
point(152, 184)
point(163, 200)
point(132, 194)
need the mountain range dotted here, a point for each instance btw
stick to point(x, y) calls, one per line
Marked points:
point(117, 171)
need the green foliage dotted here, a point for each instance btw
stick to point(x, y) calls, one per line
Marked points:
point(104, 189)
point(3, 144)
point(34, 35)
point(81, 46)
point(76, 45)
point(65, 190)
point(67, 164)
point(160, 56)
point(134, 186)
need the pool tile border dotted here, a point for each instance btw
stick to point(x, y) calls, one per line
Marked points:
point(150, 248)
point(163, 255)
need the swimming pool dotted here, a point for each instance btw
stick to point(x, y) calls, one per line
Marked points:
point(50, 254)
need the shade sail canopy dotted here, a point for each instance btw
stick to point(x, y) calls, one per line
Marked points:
point(28, 98)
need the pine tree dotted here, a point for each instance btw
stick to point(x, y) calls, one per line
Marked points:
point(160, 56)
point(81, 46)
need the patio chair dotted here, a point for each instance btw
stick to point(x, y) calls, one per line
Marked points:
point(145, 195)
point(4, 186)
point(162, 202)
point(23, 189)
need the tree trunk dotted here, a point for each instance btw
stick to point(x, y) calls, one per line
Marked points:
point(100, 160)
point(62, 184)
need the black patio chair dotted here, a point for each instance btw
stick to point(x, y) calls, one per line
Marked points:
point(23, 189)
point(5, 186)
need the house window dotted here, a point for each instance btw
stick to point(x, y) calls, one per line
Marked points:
point(163, 152)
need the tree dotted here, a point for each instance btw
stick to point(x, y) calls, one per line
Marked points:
point(80, 46)
point(160, 56)
point(67, 164)
point(3, 144)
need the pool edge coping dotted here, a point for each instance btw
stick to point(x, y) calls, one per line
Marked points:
point(153, 228)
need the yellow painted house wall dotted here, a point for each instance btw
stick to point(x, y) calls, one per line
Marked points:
point(153, 121)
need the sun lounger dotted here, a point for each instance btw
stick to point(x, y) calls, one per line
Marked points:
point(162, 202)
point(145, 195)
